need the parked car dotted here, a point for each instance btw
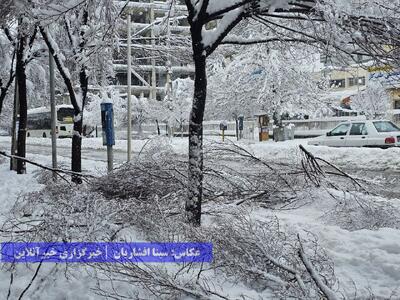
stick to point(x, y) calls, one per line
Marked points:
point(371, 133)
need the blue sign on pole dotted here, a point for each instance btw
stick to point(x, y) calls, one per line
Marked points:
point(107, 123)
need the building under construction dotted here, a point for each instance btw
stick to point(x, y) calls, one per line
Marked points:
point(158, 50)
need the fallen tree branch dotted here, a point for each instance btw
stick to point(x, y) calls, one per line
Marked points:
point(57, 171)
point(314, 161)
point(32, 280)
point(328, 293)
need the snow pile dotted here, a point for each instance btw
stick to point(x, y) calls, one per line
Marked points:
point(367, 262)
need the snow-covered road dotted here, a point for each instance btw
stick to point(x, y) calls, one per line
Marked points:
point(381, 166)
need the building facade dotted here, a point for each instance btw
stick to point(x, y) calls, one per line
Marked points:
point(350, 80)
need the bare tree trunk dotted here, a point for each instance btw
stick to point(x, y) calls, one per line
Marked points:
point(5, 88)
point(4, 91)
point(23, 104)
point(76, 159)
point(13, 161)
point(158, 128)
point(195, 178)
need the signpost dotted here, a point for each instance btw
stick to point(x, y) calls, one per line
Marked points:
point(53, 116)
point(129, 131)
point(107, 123)
point(240, 125)
point(223, 126)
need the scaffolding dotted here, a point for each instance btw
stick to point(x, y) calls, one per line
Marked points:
point(156, 43)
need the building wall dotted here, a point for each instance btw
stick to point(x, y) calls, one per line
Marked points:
point(344, 79)
point(341, 79)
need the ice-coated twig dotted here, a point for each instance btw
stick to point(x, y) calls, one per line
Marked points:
point(32, 280)
point(328, 293)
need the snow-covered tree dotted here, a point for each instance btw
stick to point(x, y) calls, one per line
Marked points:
point(347, 27)
point(264, 79)
point(6, 9)
point(221, 16)
point(373, 101)
point(78, 34)
point(93, 108)
point(7, 71)
point(178, 108)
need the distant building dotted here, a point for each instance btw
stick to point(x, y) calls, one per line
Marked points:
point(348, 79)
point(159, 48)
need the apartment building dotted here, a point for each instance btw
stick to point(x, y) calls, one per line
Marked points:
point(348, 79)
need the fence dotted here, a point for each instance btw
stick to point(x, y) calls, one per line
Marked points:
point(316, 127)
point(302, 128)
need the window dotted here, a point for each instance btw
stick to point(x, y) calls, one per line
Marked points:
point(65, 114)
point(385, 126)
point(340, 130)
point(354, 81)
point(358, 129)
point(39, 121)
point(338, 83)
point(396, 104)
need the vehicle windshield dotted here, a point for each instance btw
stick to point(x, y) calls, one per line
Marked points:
point(65, 115)
point(385, 126)
point(38, 121)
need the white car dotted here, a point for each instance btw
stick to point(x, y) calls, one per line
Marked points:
point(371, 133)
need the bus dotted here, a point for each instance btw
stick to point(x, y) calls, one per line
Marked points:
point(39, 121)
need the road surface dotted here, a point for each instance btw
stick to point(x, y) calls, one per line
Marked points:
point(385, 181)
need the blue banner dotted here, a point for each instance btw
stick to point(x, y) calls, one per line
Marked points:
point(92, 252)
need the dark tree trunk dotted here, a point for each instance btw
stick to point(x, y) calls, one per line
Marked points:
point(76, 159)
point(4, 91)
point(5, 88)
point(195, 178)
point(158, 128)
point(23, 104)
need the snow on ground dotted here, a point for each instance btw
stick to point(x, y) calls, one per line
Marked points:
point(351, 157)
point(12, 186)
point(369, 260)
point(360, 158)
point(366, 259)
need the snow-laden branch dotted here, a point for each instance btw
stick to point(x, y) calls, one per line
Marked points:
point(328, 293)
point(212, 38)
point(236, 40)
point(65, 74)
point(57, 171)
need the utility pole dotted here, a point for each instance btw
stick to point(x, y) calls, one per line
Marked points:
point(13, 161)
point(171, 14)
point(129, 137)
point(153, 93)
point(53, 116)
